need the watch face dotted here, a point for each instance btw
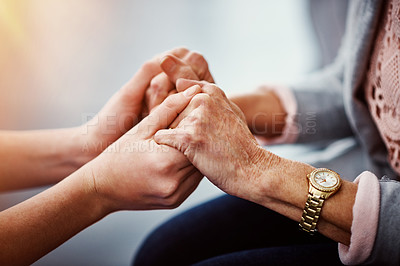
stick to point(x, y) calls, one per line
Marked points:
point(325, 180)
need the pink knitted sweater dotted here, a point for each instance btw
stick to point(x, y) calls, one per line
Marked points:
point(382, 90)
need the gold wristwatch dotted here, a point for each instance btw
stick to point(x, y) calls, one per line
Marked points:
point(322, 183)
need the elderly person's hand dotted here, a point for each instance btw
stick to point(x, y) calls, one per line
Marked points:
point(220, 145)
point(137, 173)
point(213, 135)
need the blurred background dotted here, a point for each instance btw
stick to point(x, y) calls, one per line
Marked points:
point(60, 60)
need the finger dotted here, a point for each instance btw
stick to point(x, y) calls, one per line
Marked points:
point(159, 88)
point(161, 85)
point(196, 101)
point(172, 92)
point(182, 84)
point(179, 52)
point(138, 84)
point(166, 112)
point(209, 88)
point(175, 68)
point(199, 65)
point(177, 138)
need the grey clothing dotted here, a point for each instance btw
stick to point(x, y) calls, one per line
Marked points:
point(331, 106)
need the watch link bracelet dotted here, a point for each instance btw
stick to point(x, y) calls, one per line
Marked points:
point(322, 183)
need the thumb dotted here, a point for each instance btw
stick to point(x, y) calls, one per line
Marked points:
point(138, 84)
point(182, 84)
point(174, 138)
point(166, 112)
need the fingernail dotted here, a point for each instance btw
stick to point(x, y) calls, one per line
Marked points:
point(191, 91)
point(168, 64)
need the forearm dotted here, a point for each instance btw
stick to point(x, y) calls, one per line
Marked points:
point(36, 226)
point(41, 157)
point(284, 189)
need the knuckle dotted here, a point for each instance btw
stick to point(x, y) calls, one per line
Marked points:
point(168, 190)
point(198, 139)
point(160, 82)
point(215, 90)
point(191, 119)
point(196, 57)
point(201, 98)
point(186, 138)
point(180, 51)
point(212, 88)
point(195, 121)
point(199, 63)
point(155, 85)
point(164, 167)
point(148, 93)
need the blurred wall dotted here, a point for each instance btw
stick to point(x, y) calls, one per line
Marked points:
point(59, 59)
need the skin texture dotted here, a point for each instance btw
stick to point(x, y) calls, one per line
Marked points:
point(111, 163)
point(218, 142)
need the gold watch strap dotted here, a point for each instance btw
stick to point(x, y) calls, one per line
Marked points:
point(311, 213)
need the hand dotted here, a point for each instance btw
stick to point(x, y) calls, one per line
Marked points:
point(183, 84)
point(185, 64)
point(136, 173)
point(218, 142)
point(263, 110)
point(126, 107)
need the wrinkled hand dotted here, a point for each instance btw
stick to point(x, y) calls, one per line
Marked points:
point(183, 84)
point(216, 140)
point(180, 64)
point(136, 173)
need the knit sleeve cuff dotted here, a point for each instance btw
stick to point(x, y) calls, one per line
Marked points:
point(290, 131)
point(365, 221)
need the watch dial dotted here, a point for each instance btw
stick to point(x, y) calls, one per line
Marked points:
point(325, 179)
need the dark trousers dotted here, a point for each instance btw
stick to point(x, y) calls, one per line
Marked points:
point(233, 231)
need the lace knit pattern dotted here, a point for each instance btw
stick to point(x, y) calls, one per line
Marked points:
point(383, 82)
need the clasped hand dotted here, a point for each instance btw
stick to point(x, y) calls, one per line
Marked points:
point(148, 166)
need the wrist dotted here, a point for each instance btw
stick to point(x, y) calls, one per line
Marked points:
point(87, 145)
point(90, 192)
point(263, 111)
point(276, 179)
point(256, 182)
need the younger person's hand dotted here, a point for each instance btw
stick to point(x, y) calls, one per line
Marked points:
point(128, 105)
point(181, 64)
point(136, 173)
